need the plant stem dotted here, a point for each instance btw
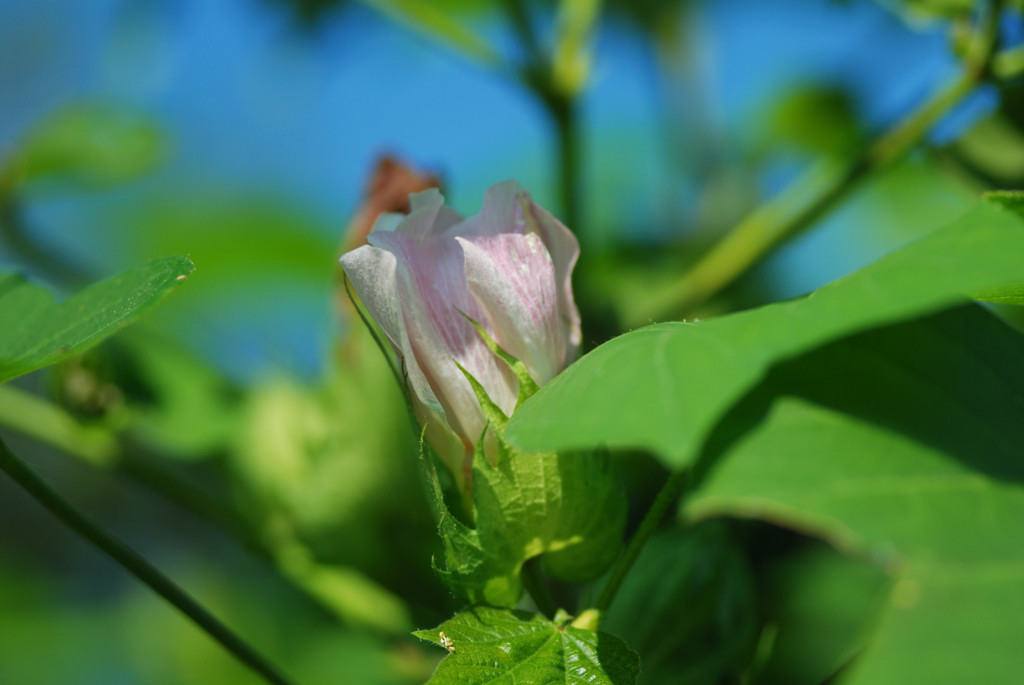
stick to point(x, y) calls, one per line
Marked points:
point(563, 110)
point(672, 488)
point(517, 13)
point(815, 193)
point(135, 564)
point(537, 76)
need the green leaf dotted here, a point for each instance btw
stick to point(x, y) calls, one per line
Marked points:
point(527, 386)
point(492, 413)
point(819, 606)
point(903, 442)
point(37, 331)
point(692, 373)
point(995, 146)
point(187, 410)
point(90, 144)
point(688, 607)
point(1010, 294)
point(917, 10)
point(566, 508)
point(498, 647)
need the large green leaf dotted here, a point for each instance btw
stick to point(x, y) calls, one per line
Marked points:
point(688, 607)
point(819, 607)
point(36, 331)
point(664, 387)
point(904, 442)
point(502, 647)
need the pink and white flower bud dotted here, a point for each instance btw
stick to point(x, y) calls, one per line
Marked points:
point(508, 268)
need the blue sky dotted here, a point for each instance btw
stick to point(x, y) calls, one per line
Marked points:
point(254, 105)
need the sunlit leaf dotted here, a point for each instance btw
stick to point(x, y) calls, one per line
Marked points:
point(36, 331)
point(688, 607)
point(665, 386)
point(904, 443)
point(503, 647)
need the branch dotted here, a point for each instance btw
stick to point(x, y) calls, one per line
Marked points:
point(818, 191)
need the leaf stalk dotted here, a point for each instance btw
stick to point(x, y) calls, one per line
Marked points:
point(670, 491)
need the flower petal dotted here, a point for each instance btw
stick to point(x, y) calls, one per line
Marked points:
point(513, 279)
point(431, 285)
point(564, 250)
point(428, 215)
point(508, 268)
point(372, 272)
point(500, 213)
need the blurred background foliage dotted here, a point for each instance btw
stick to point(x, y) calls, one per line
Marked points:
point(247, 436)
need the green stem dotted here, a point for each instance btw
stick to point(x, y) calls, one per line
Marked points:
point(563, 111)
point(810, 197)
point(671, 490)
point(135, 564)
point(517, 13)
point(536, 584)
point(536, 75)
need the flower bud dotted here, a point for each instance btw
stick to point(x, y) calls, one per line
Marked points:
point(507, 268)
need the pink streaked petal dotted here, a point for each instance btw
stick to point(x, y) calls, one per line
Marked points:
point(432, 287)
point(500, 213)
point(428, 215)
point(509, 209)
point(564, 250)
point(513, 279)
point(372, 272)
